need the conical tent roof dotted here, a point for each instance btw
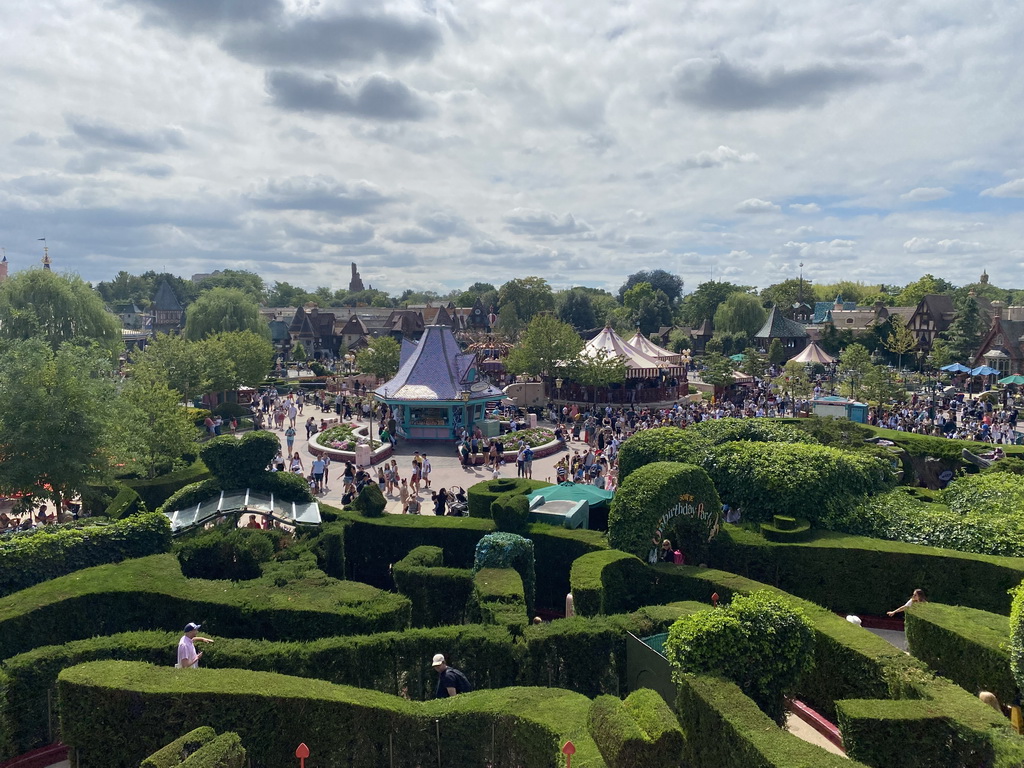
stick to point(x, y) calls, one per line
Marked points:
point(435, 369)
point(638, 364)
point(649, 348)
point(812, 353)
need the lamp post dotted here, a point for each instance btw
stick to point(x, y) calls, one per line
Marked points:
point(464, 394)
point(558, 388)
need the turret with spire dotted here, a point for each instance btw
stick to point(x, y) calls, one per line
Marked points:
point(46, 257)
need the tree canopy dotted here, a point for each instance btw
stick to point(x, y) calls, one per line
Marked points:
point(529, 295)
point(659, 280)
point(649, 309)
point(57, 308)
point(702, 304)
point(740, 313)
point(222, 310)
point(548, 347)
point(381, 357)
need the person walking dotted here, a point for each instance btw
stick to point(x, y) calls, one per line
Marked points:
point(425, 471)
point(289, 436)
point(450, 681)
point(188, 658)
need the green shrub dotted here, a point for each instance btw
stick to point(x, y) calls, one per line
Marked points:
point(226, 552)
point(964, 644)
point(190, 495)
point(996, 493)
point(507, 550)
point(664, 500)
point(694, 444)
point(125, 504)
point(1010, 464)
point(236, 462)
point(498, 599)
point(759, 641)
point(511, 513)
point(901, 515)
point(439, 595)
point(157, 490)
point(114, 713)
point(483, 494)
point(152, 593)
point(172, 755)
point(640, 731)
point(861, 575)
point(838, 433)
point(225, 751)
point(227, 410)
point(808, 481)
point(46, 554)
point(370, 502)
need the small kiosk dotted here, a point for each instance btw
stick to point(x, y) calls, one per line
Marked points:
point(840, 408)
point(438, 389)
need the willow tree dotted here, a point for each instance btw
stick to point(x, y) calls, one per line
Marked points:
point(223, 310)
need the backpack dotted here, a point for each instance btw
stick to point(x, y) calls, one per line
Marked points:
point(528, 454)
point(462, 684)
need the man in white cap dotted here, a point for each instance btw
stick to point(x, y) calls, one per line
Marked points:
point(450, 681)
point(188, 658)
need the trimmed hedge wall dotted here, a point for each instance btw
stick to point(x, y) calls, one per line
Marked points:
point(34, 557)
point(152, 593)
point(498, 598)
point(855, 574)
point(373, 545)
point(225, 751)
point(156, 491)
point(126, 503)
point(481, 495)
point(584, 655)
point(849, 664)
point(439, 595)
point(724, 728)
point(640, 731)
point(655, 492)
point(114, 713)
point(964, 644)
point(178, 750)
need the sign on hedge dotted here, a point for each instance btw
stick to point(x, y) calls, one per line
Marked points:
point(664, 500)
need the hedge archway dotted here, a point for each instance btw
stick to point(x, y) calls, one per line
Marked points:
point(664, 500)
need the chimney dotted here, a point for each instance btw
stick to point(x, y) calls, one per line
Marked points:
point(997, 309)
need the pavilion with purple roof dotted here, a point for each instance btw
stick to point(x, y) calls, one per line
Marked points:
point(438, 388)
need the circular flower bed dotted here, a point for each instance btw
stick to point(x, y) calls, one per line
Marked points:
point(340, 441)
point(342, 437)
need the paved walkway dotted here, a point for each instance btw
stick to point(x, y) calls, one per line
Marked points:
point(446, 471)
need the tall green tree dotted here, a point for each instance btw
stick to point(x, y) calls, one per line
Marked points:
point(251, 356)
point(548, 347)
point(912, 293)
point(576, 308)
point(740, 313)
point(702, 304)
point(754, 363)
point(509, 324)
point(659, 280)
point(54, 417)
point(299, 351)
point(901, 339)
point(717, 370)
point(150, 433)
point(380, 358)
point(879, 387)
point(649, 309)
point(776, 352)
point(56, 308)
point(247, 282)
point(964, 333)
point(854, 363)
point(797, 382)
point(175, 361)
point(529, 295)
point(787, 293)
point(287, 295)
point(598, 370)
point(222, 310)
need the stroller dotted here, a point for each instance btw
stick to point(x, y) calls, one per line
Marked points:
point(458, 504)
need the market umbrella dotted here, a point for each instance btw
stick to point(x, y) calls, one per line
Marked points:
point(1015, 379)
point(955, 368)
point(984, 370)
point(738, 358)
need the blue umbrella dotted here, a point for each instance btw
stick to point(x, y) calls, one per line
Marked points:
point(984, 370)
point(955, 368)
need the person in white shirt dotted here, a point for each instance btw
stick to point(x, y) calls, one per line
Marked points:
point(188, 658)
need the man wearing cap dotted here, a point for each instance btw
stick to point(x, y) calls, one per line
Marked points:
point(187, 656)
point(450, 681)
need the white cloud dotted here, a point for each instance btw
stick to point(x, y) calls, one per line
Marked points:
point(926, 194)
point(716, 158)
point(1013, 188)
point(756, 205)
point(951, 246)
point(805, 207)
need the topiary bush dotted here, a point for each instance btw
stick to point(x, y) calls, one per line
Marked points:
point(808, 481)
point(235, 462)
point(178, 750)
point(508, 550)
point(759, 641)
point(987, 493)
point(226, 552)
point(664, 500)
point(511, 513)
point(370, 502)
point(640, 731)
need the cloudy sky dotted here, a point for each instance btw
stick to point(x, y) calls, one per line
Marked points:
point(438, 143)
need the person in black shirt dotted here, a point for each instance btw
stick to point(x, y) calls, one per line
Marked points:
point(450, 681)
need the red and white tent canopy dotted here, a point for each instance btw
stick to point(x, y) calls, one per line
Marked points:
point(650, 349)
point(638, 364)
point(812, 353)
